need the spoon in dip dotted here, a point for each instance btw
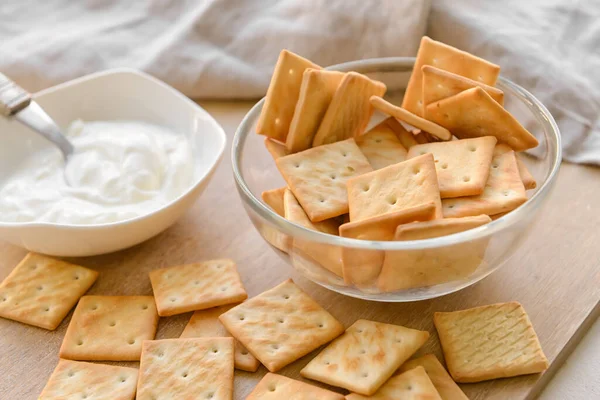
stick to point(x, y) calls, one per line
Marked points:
point(16, 102)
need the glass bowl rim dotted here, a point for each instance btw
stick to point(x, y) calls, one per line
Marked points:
point(391, 64)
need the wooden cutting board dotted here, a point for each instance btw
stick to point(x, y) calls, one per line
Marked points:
point(555, 275)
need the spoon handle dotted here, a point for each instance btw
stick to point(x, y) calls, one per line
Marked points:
point(13, 98)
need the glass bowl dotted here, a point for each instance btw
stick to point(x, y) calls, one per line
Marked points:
point(424, 268)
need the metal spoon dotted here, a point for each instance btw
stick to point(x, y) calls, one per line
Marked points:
point(16, 102)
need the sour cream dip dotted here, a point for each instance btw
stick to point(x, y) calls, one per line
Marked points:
point(119, 170)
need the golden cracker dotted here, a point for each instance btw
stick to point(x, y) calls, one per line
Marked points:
point(504, 191)
point(440, 378)
point(410, 118)
point(275, 148)
point(274, 199)
point(365, 356)
point(526, 176)
point(439, 84)
point(282, 95)
point(449, 59)
point(41, 290)
point(410, 385)
point(317, 90)
point(489, 342)
point(325, 255)
point(281, 325)
point(473, 113)
point(419, 268)
point(75, 379)
point(205, 323)
point(349, 111)
point(174, 369)
point(318, 177)
point(277, 387)
point(110, 328)
point(360, 266)
point(399, 186)
point(462, 166)
point(196, 286)
point(407, 139)
point(381, 146)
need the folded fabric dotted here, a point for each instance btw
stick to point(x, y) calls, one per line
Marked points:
point(206, 49)
point(550, 47)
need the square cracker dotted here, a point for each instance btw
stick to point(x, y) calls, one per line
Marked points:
point(489, 342)
point(528, 179)
point(274, 199)
point(197, 286)
point(407, 139)
point(174, 369)
point(414, 384)
point(327, 256)
point(318, 177)
point(278, 387)
point(419, 268)
point(462, 166)
point(410, 118)
point(473, 113)
point(365, 356)
point(449, 59)
point(349, 111)
point(504, 191)
point(281, 325)
point(399, 186)
point(205, 323)
point(381, 146)
point(317, 90)
point(439, 84)
point(360, 266)
point(110, 328)
point(40, 291)
point(440, 378)
point(275, 148)
point(75, 379)
point(282, 95)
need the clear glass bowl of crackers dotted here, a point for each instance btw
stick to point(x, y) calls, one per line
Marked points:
point(395, 179)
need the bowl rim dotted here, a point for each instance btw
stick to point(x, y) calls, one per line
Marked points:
point(391, 64)
point(196, 183)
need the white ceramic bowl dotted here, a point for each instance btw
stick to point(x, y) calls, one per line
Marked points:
point(116, 94)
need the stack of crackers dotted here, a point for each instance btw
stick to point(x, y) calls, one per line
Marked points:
point(371, 360)
point(443, 162)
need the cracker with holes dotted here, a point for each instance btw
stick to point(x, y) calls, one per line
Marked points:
point(418, 268)
point(275, 148)
point(325, 255)
point(403, 115)
point(410, 385)
point(362, 266)
point(277, 387)
point(81, 380)
point(318, 177)
point(462, 166)
point(399, 186)
point(365, 356)
point(110, 328)
point(449, 59)
point(200, 368)
point(197, 286)
point(526, 176)
point(282, 95)
point(350, 111)
point(316, 92)
point(489, 342)
point(440, 378)
point(504, 191)
point(381, 146)
point(41, 290)
point(474, 113)
point(439, 84)
point(281, 325)
point(205, 323)
point(274, 199)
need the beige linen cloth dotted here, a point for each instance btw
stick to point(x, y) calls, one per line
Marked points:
point(227, 48)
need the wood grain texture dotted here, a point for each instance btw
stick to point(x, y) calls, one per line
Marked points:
point(555, 275)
